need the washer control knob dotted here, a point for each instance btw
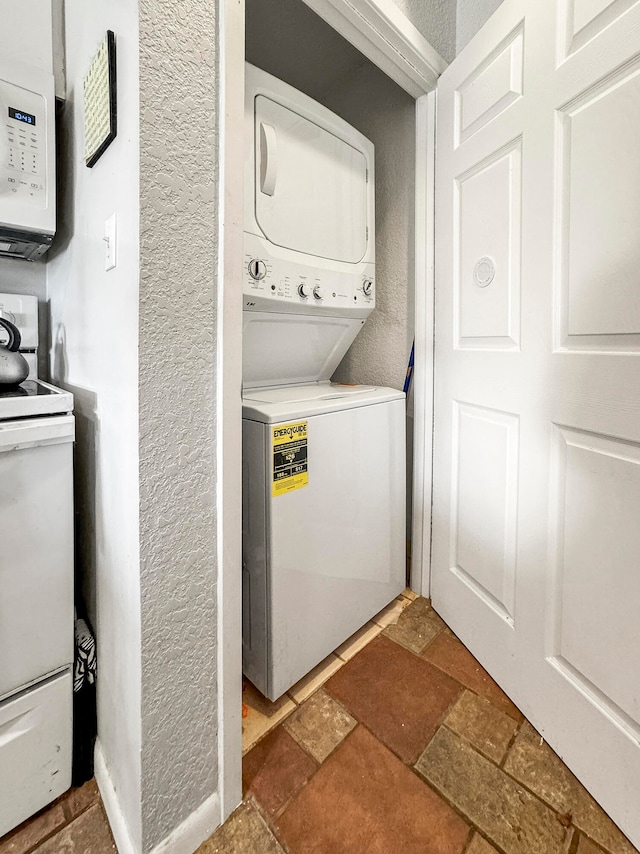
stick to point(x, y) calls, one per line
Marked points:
point(304, 290)
point(367, 287)
point(318, 292)
point(257, 269)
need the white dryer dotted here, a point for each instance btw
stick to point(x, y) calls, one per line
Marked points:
point(323, 464)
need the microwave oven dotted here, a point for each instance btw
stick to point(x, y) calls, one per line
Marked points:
point(27, 161)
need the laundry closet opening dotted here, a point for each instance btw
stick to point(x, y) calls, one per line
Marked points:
point(344, 554)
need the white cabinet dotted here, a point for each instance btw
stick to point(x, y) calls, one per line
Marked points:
point(35, 749)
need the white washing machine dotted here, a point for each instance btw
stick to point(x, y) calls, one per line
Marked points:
point(323, 464)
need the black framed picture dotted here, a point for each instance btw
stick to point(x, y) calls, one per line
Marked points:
point(100, 101)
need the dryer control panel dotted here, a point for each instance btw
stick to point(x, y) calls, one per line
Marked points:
point(272, 283)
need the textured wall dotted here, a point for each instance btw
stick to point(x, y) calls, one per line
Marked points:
point(380, 353)
point(178, 177)
point(470, 16)
point(436, 20)
point(299, 47)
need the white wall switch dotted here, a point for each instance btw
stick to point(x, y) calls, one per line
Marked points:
point(110, 242)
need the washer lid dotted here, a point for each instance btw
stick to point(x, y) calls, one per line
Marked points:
point(283, 349)
point(273, 405)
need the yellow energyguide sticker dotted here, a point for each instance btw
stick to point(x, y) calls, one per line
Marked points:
point(289, 457)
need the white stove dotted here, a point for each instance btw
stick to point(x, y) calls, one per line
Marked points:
point(33, 397)
point(36, 580)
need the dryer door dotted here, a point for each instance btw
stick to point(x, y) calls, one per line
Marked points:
point(310, 186)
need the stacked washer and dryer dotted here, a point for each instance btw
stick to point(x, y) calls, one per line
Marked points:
point(323, 463)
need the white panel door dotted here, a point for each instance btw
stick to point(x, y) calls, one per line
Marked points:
point(536, 516)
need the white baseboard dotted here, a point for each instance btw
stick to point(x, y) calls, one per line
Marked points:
point(184, 839)
point(119, 826)
point(188, 836)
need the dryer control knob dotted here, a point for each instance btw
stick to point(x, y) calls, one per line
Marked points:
point(257, 269)
point(304, 290)
point(318, 292)
point(367, 287)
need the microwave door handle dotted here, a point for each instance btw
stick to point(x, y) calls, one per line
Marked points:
point(268, 159)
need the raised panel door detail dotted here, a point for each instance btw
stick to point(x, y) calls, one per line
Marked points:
point(584, 20)
point(492, 87)
point(536, 552)
point(484, 504)
point(487, 253)
point(596, 544)
point(598, 241)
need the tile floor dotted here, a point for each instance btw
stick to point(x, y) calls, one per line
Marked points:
point(398, 743)
point(75, 823)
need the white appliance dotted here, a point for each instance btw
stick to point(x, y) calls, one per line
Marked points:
point(27, 161)
point(36, 580)
point(309, 273)
point(323, 464)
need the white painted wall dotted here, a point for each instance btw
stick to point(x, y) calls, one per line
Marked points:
point(436, 20)
point(29, 277)
point(94, 323)
point(23, 277)
point(470, 16)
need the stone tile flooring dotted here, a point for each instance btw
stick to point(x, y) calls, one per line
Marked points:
point(259, 716)
point(407, 746)
point(399, 743)
point(75, 823)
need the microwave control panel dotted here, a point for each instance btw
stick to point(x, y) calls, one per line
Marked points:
point(23, 134)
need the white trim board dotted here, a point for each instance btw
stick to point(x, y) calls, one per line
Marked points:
point(423, 358)
point(229, 414)
point(184, 839)
point(188, 836)
point(118, 823)
point(381, 31)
